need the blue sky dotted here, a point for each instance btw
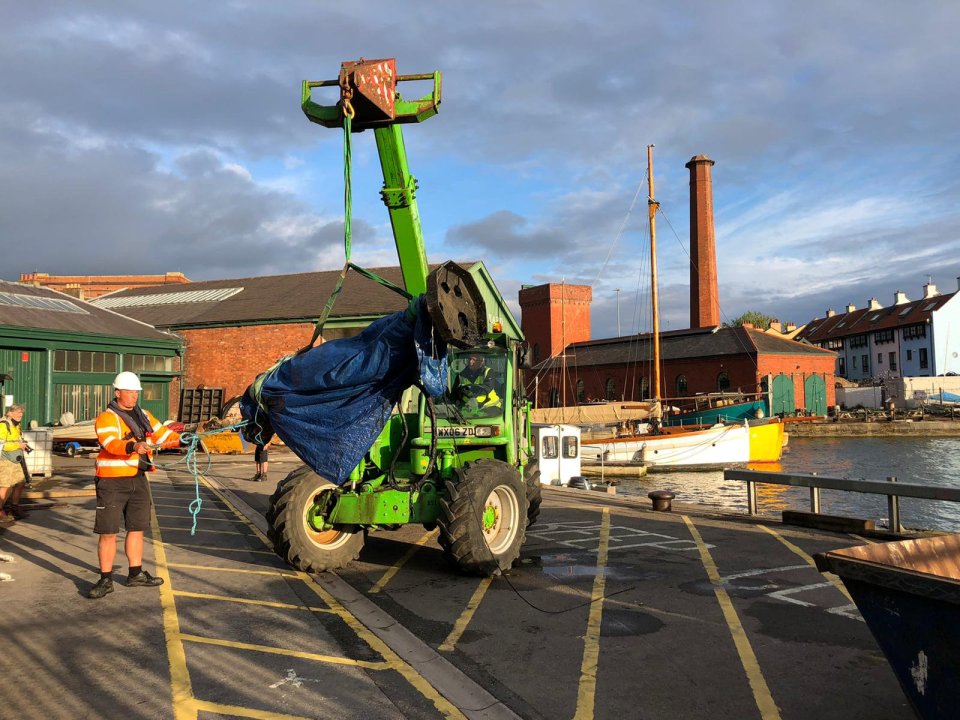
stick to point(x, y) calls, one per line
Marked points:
point(149, 137)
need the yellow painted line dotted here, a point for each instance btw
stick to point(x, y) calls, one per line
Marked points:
point(587, 690)
point(184, 707)
point(466, 616)
point(239, 515)
point(203, 530)
point(188, 517)
point(761, 692)
point(862, 539)
point(248, 601)
point(407, 671)
point(235, 711)
point(214, 568)
point(331, 659)
point(184, 507)
point(190, 546)
point(388, 575)
point(834, 580)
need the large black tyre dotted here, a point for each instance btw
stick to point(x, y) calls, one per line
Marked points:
point(294, 539)
point(482, 526)
point(531, 476)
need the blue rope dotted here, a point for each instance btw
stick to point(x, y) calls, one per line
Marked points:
point(191, 442)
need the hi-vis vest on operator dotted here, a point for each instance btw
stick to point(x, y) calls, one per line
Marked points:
point(484, 400)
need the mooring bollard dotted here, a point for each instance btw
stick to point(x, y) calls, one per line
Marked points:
point(662, 499)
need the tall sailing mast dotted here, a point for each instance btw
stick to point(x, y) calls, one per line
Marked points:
point(652, 207)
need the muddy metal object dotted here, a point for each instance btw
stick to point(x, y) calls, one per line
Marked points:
point(909, 594)
point(456, 306)
point(662, 500)
point(368, 91)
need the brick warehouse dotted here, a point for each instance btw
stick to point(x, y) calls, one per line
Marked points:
point(234, 329)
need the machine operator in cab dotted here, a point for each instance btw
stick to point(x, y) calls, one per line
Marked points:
point(476, 383)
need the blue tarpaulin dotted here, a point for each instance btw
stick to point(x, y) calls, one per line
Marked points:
point(330, 403)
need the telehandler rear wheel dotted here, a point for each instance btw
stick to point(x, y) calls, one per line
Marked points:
point(483, 518)
point(531, 476)
point(294, 539)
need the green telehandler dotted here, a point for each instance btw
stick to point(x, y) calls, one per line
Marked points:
point(462, 464)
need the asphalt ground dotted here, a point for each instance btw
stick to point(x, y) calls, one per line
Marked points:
point(614, 611)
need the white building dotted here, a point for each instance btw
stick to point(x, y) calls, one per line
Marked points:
point(910, 338)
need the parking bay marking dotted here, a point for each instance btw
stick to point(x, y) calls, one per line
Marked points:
point(582, 535)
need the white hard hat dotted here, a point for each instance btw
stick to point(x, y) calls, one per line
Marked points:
point(126, 381)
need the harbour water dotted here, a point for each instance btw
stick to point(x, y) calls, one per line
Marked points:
point(929, 461)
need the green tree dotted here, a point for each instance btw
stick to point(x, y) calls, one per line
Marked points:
point(753, 317)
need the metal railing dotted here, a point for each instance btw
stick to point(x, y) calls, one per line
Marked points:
point(816, 483)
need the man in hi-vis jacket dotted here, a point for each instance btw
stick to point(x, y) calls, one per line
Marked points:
point(127, 435)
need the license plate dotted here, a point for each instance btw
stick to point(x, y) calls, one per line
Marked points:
point(457, 431)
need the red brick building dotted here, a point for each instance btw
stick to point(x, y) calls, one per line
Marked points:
point(235, 329)
point(693, 362)
point(88, 287)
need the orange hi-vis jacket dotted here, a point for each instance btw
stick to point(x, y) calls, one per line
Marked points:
point(117, 458)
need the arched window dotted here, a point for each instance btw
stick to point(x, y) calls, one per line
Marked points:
point(610, 392)
point(681, 385)
point(581, 391)
point(644, 388)
point(554, 398)
point(536, 353)
point(723, 382)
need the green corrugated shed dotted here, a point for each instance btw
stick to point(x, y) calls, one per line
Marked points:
point(58, 354)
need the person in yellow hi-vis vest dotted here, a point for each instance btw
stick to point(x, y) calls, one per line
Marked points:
point(475, 384)
point(128, 435)
point(12, 447)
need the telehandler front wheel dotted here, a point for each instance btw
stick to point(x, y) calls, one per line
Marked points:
point(295, 539)
point(531, 476)
point(483, 518)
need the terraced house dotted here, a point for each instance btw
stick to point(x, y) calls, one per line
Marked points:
point(910, 338)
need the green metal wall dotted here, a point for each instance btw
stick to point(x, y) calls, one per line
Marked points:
point(28, 368)
point(26, 354)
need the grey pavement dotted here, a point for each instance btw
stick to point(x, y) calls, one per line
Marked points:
point(611, 613)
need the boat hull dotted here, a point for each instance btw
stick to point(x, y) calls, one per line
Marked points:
point(719, 446)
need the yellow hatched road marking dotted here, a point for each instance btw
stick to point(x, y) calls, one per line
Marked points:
point(466, 616)
point(203, 530)
point(180, 687)
point(406, 670)
point(184, 507)
point(761, 692)
point(587, 690)
point(214, 568)
point(248, 601)
point(332, 659)
point(834, 580)
point(235, 711)
point(388, 575)
point(191, 546)
point(186, 516)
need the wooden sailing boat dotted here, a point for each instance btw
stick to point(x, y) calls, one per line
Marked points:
point(721, 445)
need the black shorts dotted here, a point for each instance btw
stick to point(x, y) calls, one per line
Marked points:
point(261, 454)
point(128, 497)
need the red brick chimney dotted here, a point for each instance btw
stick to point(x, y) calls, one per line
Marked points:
point(704, 295)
